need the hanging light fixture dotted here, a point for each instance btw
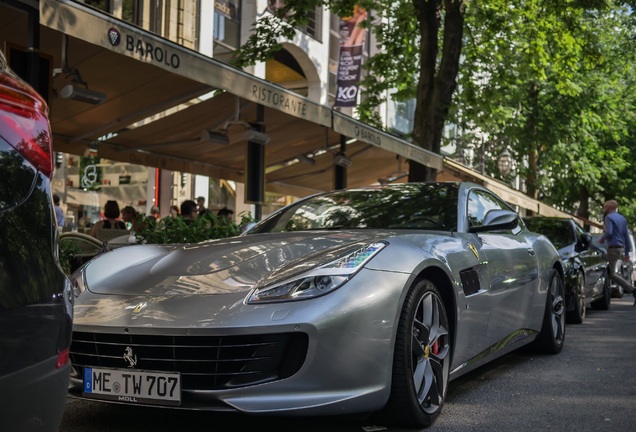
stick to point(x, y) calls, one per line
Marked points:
point(82, 94)
point(75, 88)
point(504, 163)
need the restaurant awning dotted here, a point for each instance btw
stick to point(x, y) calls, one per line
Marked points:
point(141, 75)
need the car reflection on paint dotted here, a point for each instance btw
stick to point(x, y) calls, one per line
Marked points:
point(354, 301)
point(35, 295)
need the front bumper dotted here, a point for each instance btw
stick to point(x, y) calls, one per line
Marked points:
point(328, 355)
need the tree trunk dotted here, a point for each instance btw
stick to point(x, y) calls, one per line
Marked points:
point(584, 207)
point(437, 80)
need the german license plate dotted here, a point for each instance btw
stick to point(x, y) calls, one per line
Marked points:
point(133, 386)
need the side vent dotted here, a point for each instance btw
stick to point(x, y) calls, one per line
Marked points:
point(470, 281)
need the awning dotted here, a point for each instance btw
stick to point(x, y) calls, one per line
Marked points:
point(142, 74)
point(352, 128)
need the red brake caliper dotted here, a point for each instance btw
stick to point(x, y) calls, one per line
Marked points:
point(435, 347)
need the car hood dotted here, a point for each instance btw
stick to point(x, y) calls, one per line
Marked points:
point(218, 266)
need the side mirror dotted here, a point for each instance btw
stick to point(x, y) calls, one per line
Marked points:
point(496, 220)
point(584, 242)
point(246, 227)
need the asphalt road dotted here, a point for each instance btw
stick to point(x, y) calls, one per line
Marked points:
point(590, 386)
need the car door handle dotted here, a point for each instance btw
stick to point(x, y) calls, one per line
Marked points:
point(531, 252)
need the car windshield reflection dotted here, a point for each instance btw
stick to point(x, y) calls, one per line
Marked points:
point(410, 206)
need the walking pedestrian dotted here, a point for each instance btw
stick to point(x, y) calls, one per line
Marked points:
point(59, 213)
point(616, 234)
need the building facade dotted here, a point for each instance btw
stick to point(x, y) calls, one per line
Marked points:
point(86, 177)
point(146, 109)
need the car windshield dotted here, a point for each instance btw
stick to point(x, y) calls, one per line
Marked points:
point(407, 206)
point(557, 231)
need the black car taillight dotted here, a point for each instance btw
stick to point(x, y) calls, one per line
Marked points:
point(24, 123)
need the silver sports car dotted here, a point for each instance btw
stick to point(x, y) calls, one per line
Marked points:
point(354, 301)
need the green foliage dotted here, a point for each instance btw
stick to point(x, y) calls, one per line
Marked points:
point(67, 249)
point(395, 67)
point(178, 230)
point(553, 83)
point(167, 230)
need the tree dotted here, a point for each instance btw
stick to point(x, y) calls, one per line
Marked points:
point(419, 41)
point(553, 82)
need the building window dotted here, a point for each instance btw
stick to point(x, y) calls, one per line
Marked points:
point(313, 27)
point(147, 14)
point(156, 16)
point(226, 26)
point(103, 5)
point(130, 11)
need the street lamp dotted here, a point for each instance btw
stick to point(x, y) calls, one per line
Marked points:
point(505, 163)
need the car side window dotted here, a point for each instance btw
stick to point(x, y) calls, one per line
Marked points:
point(479, 204)
point(579, 233)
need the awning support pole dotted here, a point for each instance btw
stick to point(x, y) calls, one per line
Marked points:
point(340, 172)
point(255, 168)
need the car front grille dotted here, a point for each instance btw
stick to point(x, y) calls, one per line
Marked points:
point(205, 362)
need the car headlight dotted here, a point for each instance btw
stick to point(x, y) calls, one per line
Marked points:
point(318, 281)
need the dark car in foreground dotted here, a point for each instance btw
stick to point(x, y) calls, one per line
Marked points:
point(35, 294)
point(587, 281)
point(354, 301)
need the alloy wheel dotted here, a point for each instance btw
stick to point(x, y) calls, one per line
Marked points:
point(430, 352)
point(557, 309)
point(580, 294)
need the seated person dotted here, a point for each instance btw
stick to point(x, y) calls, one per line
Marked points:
point(225, 213)
point(132, 218)
point(189, 211)
point(110, 221)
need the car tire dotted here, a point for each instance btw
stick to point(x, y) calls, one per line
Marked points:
point(617, 291)
point(552, 336)
point(604, 302)
point(421, 369)
point(577, 315)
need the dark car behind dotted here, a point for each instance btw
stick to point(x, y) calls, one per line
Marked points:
point(35, 296)
point(586, 269)
point(626, 269)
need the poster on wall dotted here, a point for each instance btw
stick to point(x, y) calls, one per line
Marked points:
point(352, 37)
